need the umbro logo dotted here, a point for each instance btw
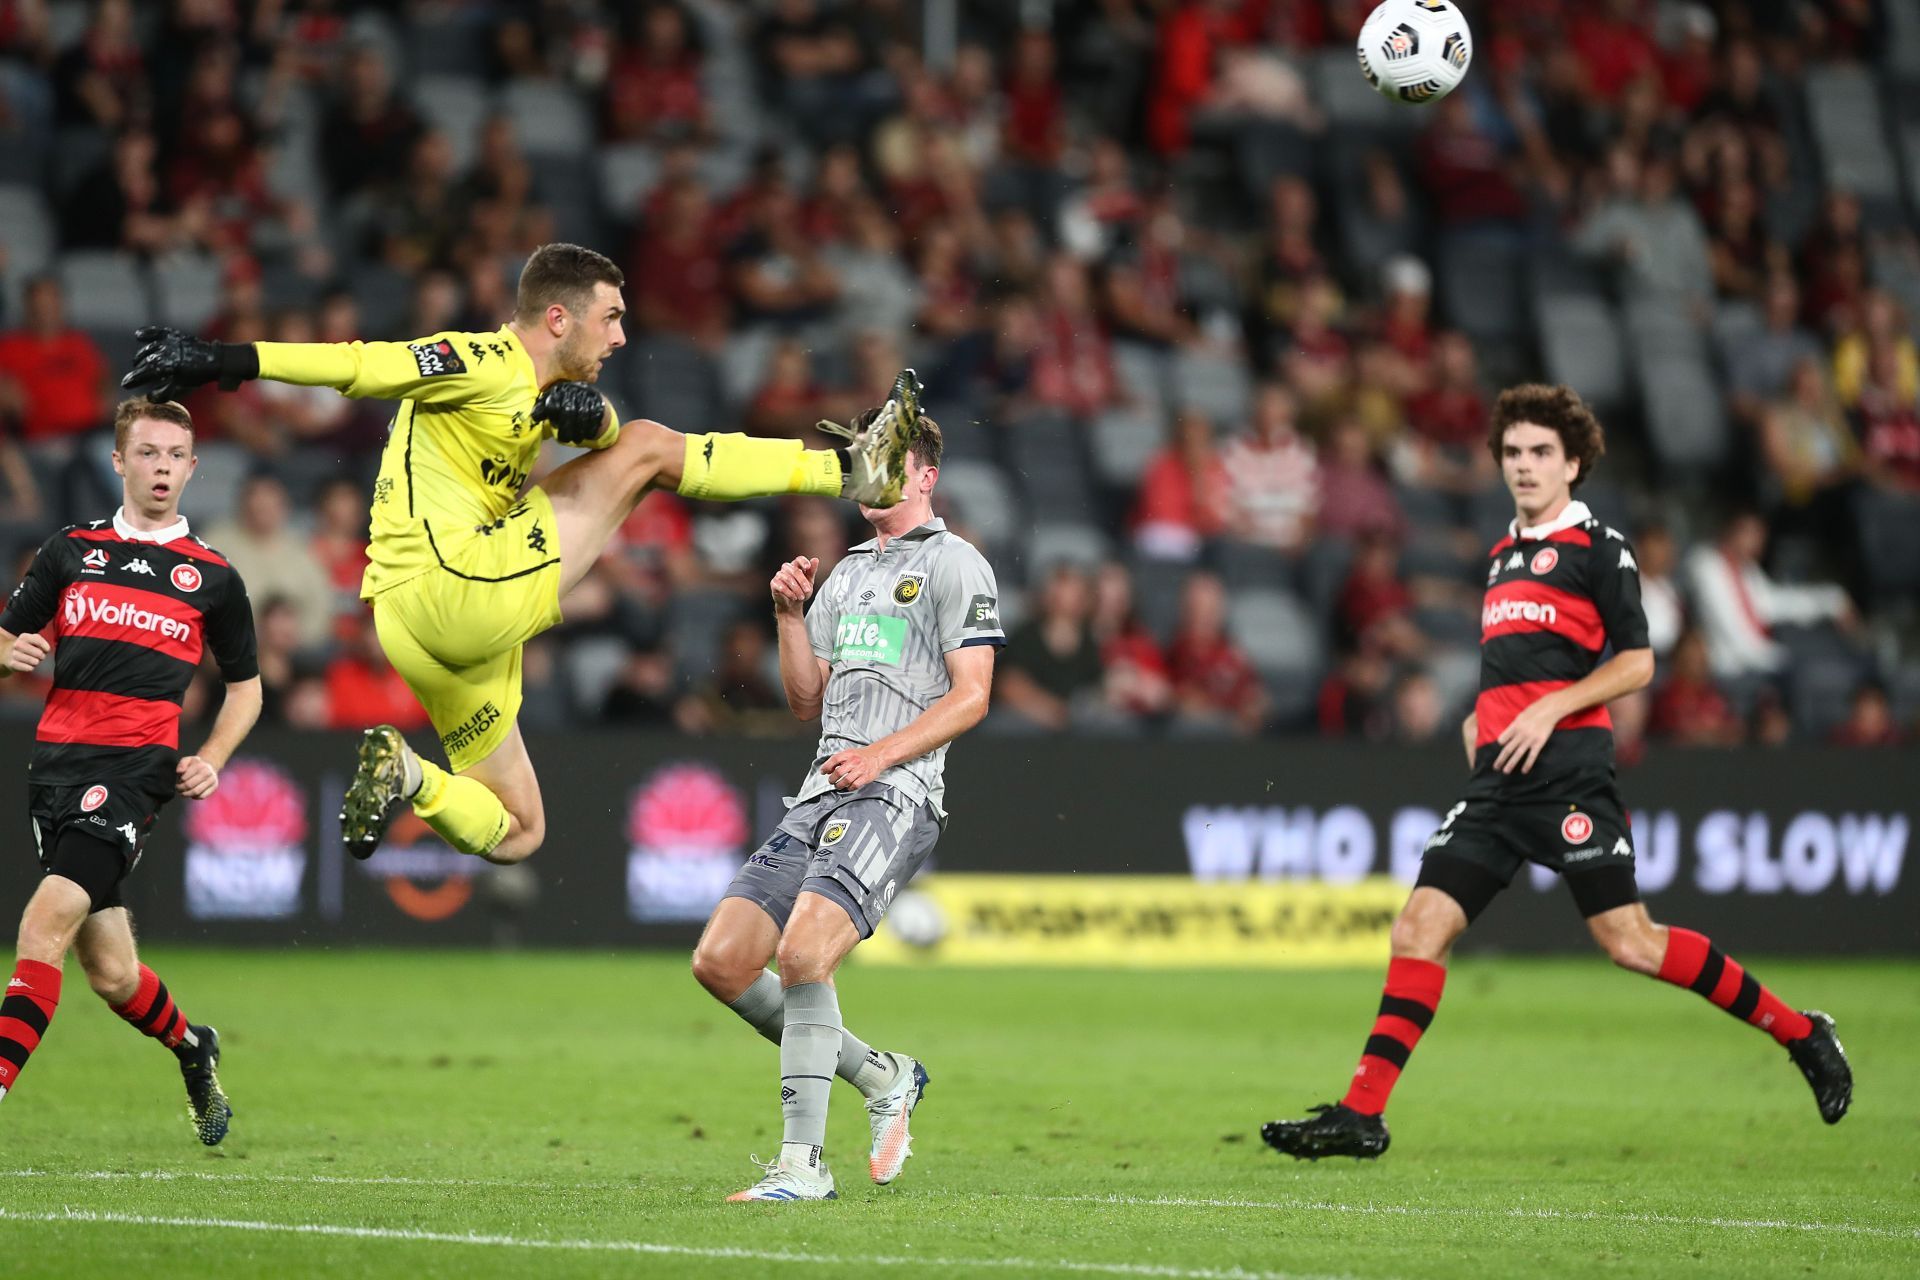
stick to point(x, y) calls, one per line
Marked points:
point(866, 597)
point(137, 566)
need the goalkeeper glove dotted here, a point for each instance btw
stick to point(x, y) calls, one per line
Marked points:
point(577, 413)
point(169, 362)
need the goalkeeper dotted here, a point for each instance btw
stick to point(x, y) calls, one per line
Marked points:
point(466, 564)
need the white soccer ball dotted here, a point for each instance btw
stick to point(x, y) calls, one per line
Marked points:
point(1415, 51)
point(917, 920)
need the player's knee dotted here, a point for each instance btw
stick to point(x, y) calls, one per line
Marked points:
point(114, 981)
point(721, 966)
point(526, 832)
point(1635, 950)
point(646, 448)
point(803, 958)
point(1417, 935)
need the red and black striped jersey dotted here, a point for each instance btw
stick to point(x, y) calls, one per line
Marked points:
point(129, 614)
point(1558, 596)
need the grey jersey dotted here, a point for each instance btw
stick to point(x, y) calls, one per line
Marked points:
point(884, 621)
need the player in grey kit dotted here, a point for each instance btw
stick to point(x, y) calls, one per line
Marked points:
point(896, 657)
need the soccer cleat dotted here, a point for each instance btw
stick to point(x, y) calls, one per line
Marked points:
point(385, 775)
point(207, 1105)
point(1824, 1063)
point(786, 1182)
point(888, 1114)
point(1333, 1129)
point(878, 451)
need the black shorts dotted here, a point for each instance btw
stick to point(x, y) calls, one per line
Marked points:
point(1583, 835)
point(93, 834)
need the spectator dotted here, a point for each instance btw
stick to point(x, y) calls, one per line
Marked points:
point(1073, 367)
point(1869, 721)
point(1659, 596)
point(789, 401)
point(1354, 698)
point(1375, 606)
point(1290, 258)
point(367, 134)
point(653, 92)
point(363, 689)
point(1035, 115)
point(740, 697)
point(1406, 318)
point(120, 204)
point(1052, 662)
point(1451, 414)
point(1356, 501)
point(1744, 254)
point(20, 498)
point(1888, 423)
point(678, 277)
point(777, 274)
point(1809, 450)
point(1183, 493)
point(1466, 170)
point(1760, 366)
point(279, 645)
point(1740, 607)
point(420, 217)
point(273, 559)
point(1652, 235)
point(1273, 480)
point(811, 62)
point(1103, 212)
point(1143, 283)
point(102, 81)
point(50, 374)
point(1689, 708)
point(1418, 711)
point(1614, 46)
point(1882, 322)
point(1214, 683)
point(1314, 357)
point(1138, 684)
point(339, 540)
point(642, 696)
point(308, 415)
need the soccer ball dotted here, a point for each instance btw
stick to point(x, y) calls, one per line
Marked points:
point(1415, 51)
point(917, 920)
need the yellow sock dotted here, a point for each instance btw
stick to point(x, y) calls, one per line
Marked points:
point(467, 815)
point(724, 467)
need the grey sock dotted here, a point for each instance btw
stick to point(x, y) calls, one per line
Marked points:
point(762, 1006)
point(809, 1048)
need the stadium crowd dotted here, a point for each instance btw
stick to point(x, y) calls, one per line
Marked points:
point(1212, 328)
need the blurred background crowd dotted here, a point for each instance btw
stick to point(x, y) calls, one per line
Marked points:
point(1211, 327)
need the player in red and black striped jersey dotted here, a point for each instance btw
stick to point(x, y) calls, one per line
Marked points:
point(127, 607)
point(1562, 634)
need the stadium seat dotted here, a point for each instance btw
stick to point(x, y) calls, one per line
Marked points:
point(1889, 530)
point(548, 118)
point(1686, 418)
point(77, 151)
point(457, 106)
point(1217, 386)
point(1349, 100)
point(186, 289)
point(1843, 107)
point(1146, 373)
point(698, 620)
point(1902, 51)
point(1580, 346)
point(105, 290)
point(1657, 329)
point(1733, 324)
point(569, 187)
point(593, 665)
point(1556, 271)
point(1820, 688)
point(743, 364)
point(1124, 441)
point(27, 233)
point(673, 381)
point(444, 40)
point(67, 22)
point(628, 172)
point(1052, 544)
point(1480, 280)
point(216, 481)
point(981, 497)
point(1277, 631)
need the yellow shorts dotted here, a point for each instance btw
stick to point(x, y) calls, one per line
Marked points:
point(455, 632)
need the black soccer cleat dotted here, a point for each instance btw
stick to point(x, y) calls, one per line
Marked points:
point(1824, 1063)
point(207, 1105)
point(1332, 1129)
point(377, 793)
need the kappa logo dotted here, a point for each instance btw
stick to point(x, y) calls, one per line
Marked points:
point(1627, 561)
point(95, 796)
point(836, 832)
point(1515, 560)
point(537, 539)
point(1543, 561)
point(126, 829)
point(1576, 827)
point(1622, 848)
point(436, 359)
point(137, 566)
point(95, 561)
point(185, 577)
point(907, 588)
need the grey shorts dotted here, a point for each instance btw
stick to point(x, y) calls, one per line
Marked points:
point(858, 848)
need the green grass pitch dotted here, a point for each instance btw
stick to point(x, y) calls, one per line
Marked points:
point(476, 1115)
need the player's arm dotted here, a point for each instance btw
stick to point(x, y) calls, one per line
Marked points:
point(441, 369)
point(31, 607)
point(229, 634)
point(1613, 579)
point(806, 639)
point(961, 707)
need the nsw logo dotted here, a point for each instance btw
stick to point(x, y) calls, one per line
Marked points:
point(1576, 827)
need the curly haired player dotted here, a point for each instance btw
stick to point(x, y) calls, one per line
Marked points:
point(1561, 589)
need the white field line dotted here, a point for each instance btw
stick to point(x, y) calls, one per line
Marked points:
point(1145, 1202)
point(645, 1247)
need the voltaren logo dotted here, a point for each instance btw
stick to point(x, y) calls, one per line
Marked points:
point(87, 608)
point(1497, 612)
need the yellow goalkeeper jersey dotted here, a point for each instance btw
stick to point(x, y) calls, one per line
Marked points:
point(461, 445)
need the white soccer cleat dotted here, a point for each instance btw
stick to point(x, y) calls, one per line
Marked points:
point(788, 1182)
point(888, 1114)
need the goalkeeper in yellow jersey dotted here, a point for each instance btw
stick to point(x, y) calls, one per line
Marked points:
point(464, 567)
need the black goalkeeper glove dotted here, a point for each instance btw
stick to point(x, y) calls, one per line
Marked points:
point(577, 411)
point(169, 362)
